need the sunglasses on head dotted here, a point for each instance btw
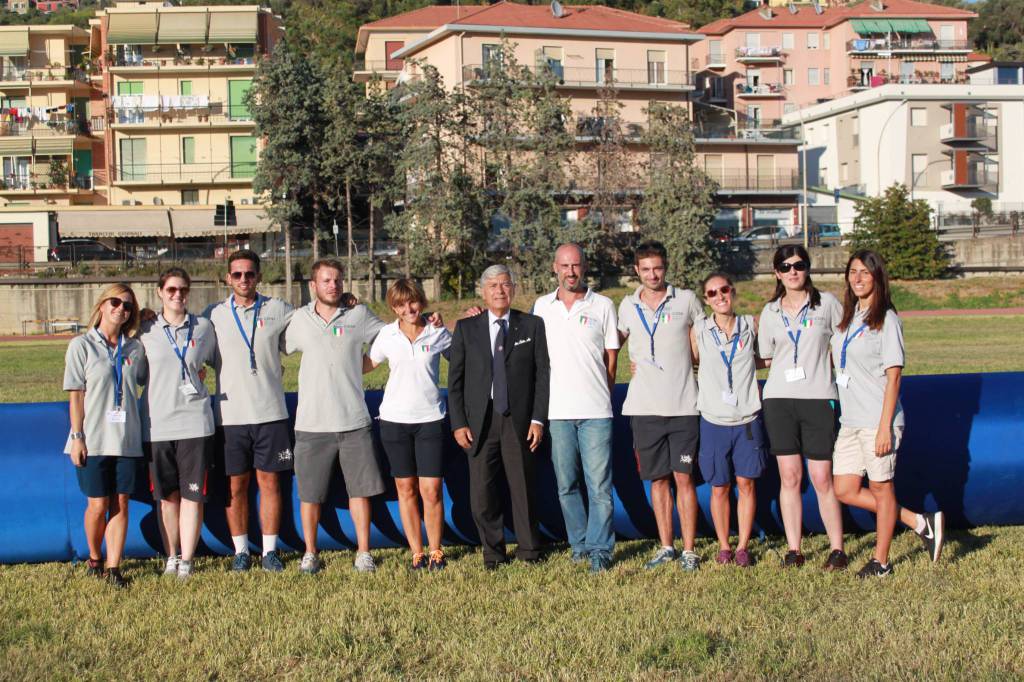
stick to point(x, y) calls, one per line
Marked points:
point(799, 266)
point(171, 291)
point(116, 303)
point(725, 290)
point(240, 274)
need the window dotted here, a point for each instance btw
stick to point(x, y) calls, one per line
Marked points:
point(552, 57)
point(787, 76)
point(238, 110)
point(918, 117)
point(787, 41)
point(753, 39)
point(189, 197)
point(906, 72)
point(822, 176)
point(812, 40)
point(844, 173)
point(243, 156)
point(826, 76)
point(133, 159)
point(826, 41)
point(919, 166)
point(713, 166)
point(655, 66)
point(129, 55)
point(715, 55)
point(605, 60)
point(717, 88)
point(946, 33)
point(946, 72)
point(188, 150)
point(788, 107)
point(184, 87)
point(812, 76)
point(491, 55)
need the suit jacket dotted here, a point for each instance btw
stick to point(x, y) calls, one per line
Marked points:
point(526, 368)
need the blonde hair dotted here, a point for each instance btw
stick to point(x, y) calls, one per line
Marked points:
point(405, 290)
point(129, 328)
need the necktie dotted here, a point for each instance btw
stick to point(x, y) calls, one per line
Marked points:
point(499, 384)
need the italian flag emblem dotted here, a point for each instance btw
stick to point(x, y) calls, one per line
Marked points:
point(337, 331)
point(261, 323)
point(425, 348)
point(807, 324)
point(127, 362)
point(193, 343)
point(740, 344)
point(665, 317)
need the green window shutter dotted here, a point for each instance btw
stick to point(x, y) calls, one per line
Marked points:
point(238, 110)
point(185, 88)
point(133, 159)
point(188, 150)
point(129, 88)
point(243, 156)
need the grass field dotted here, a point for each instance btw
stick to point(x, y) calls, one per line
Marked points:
point(956, 619)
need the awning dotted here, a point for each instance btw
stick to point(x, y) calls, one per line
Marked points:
point(910, 26)
point(132, 28)
point(14, 43)
point(11, 146)
point(54, 145)
point(104, 222)
point(862, 27)
point(182, 27)
point(187, 222)
point(254, 220)
point(232, 27)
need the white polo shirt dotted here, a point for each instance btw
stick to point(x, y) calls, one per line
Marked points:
point(411, 395)
point(577, 340)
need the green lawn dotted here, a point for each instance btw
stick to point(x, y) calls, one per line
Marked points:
point(956, 619)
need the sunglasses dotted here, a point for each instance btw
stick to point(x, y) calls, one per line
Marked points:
point(799, 266)
point(240, 274)
point(725, 290)
point(116, 303)
point(171, 291)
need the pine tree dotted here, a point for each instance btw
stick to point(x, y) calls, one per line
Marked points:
point(900, 230)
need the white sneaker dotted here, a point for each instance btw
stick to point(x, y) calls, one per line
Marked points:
point(184, 570)
point(171, 568)
point(364, 563)
point(310, 564)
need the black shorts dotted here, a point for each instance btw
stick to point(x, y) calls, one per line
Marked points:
point(178, 465)
point(663, 445)
point(414, 449)
point(105, 475)
point(267, 447)
point(800, 427)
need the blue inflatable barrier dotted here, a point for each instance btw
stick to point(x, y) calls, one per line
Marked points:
point(961, 453)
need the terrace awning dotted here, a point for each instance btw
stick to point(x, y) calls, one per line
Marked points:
point(54, 145)
point(113, 223)
point(910, 26)
point(198, 222)
point(182, 27)
point(14, 43)
point(232, 27)
point(132, 28)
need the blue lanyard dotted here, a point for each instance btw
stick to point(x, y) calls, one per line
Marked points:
point(250, 343)
point(846, 342)
point(795, 339)
point(183, 351)
point(116, 366)
point(657, 316)
point(732, 353)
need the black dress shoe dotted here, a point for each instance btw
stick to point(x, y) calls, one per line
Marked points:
point(493, 565)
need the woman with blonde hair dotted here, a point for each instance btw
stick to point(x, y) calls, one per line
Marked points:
point(102, 373)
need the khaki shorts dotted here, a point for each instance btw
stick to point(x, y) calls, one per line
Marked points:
point(855, 454)
point(316, 453)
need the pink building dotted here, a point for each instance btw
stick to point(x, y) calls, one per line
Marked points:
point(774, 60)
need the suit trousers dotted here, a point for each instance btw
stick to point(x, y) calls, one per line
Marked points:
point(501, 451)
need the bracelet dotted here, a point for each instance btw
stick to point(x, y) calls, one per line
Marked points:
point(77, 435)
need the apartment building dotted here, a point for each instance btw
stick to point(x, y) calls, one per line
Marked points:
point(774, 59)
point(949, 144)
point(590, 48)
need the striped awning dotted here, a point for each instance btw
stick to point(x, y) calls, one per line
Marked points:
point(198, 222)
point(15, 146)
point(132, 28)
point(14, 43)
point(107, 222)
point(48, 146)
point(181, 27)
point(232, 27)
point(910, 26)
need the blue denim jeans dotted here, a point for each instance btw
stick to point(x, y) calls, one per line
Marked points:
point(581, 452)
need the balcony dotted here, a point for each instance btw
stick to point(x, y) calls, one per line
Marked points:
point(760, 91)
point(208, 117)
point(759, 55)
point(157, 174)
point(655, 77)
point(969, 178)
point(43, 183)
point(180, 64)
point(739, 181)
point(873, 46)
point(52, 128)
point(387, 69)
point(44, 75)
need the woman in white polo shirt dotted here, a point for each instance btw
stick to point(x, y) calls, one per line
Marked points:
point(412, 417)
point(102, 373)
point(868, 355)
point(177, 419)
point(799, 395)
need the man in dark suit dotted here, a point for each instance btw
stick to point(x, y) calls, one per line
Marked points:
point(497, 403)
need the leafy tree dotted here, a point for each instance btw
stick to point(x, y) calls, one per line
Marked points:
point(678, 204)
point(1000, 23)
point(900, 230)
point(696, 13)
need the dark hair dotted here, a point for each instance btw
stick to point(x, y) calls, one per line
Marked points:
point(651, 249)
point(723, 275)
point(332, 263)
point(788, 251)
point(174, 272)
point(881, 303)
point(245, 254)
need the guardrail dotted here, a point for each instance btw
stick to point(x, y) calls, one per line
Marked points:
point(653, 77)
point(738, 179)
point(759, 53)
point(886, 44)
point(44, 128)
point(158, 173)
point(178, 117)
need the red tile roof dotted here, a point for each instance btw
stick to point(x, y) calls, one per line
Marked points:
point(429, 17)
point(806, 17)
point(577, 17)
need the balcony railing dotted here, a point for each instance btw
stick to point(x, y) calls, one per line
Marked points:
point(179, 118)
point(653, 77)
point(771, 53)
point(44, 129)
point(376, 65)
point(973, 130)
point(973, 177)
point(740, 180)
point(178, 62)
point(175, 173)
point(11, 74)
point(760, 90)
point(905, 44)
point(34, 182)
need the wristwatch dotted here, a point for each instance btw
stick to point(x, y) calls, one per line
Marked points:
point(77, 435)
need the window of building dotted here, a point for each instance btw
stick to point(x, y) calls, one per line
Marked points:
point(906, 72)
point(752, 39)
point(844, 173)
point(133, 159)
point(919, 167)
point(812, 40)
point(243, 156)
point(787, 41)
point(946, 71)
point(238, 110)
point(713, 166)
point(787, 76)
point(188, 150)
point(184, 87)
point(491, 54)
point(655, 66)
point(946, 33)
point(918, 117)
point(812, 76)
point(605, 59)
point(715, 54)
point(826, 41)
point(189, 197)
point(826, 76)
point(788, 107)
point(552, 57)
point(717, 87)
point(822, 176)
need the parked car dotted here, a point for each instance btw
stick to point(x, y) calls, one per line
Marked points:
point(76, 250)
point(761, 237)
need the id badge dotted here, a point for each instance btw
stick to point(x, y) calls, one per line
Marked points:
point(729, 398)
point(795, 374)
point(117, 416)
point(652, 363)
point(843, 380)
point(187, 389)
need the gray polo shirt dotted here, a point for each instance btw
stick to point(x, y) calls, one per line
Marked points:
point(168, 411)
point(664, 386)
point(242, 396)
point(868, 354)
point(815, 331)
point(713, 376)
point(88, 367)
point(331, 372)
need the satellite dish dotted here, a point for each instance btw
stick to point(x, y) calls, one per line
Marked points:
point(556, 9)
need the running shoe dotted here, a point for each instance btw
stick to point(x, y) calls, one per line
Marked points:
point(793, 559)
point(724, 557)
point(933, 534)
point(437, 560)
point(419, 561)
point(873, 569)
point(171, 567)
point(579, 557)
point(310, 564)
point(94, 568)
point(664, 555)
point(364, 563)
point(600, 562)
point(241, 563)
point(184, 570)
point(689, 561)
point(743, 558)
point(115, 579)
point(836, 561)
point(271, 562)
